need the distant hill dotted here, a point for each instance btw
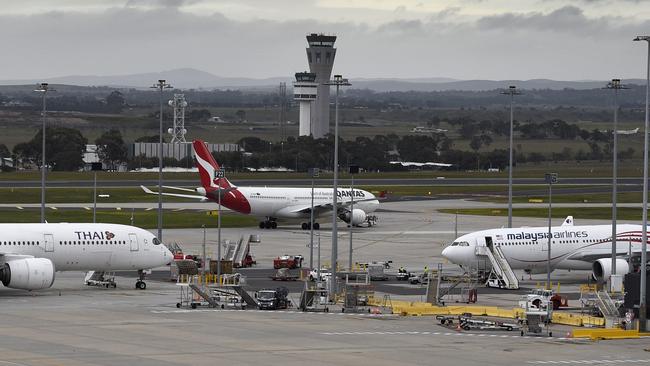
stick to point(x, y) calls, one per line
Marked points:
point(179, 78)
point(188, 78)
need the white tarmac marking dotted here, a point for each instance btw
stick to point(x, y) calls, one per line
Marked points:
point(292, 312)
point(458, 334)
point(571, 362)
point(411, 232)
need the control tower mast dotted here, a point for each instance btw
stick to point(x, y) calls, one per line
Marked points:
point(304, 91)
point(178, 130)
point(320, 55)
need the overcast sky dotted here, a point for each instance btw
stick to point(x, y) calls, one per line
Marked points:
point(464, 39)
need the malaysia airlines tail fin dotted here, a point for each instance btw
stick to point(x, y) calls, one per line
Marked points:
point(208, 167)
point(568, 221)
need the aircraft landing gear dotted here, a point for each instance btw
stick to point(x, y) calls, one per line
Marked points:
point(305, 226)
point(270, 223)
point(140, 284)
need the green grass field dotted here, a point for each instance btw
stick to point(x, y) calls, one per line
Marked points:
point(625, 197)
point(82, 195)
point(135, 194)
point(591, 169)
point(141, 218)
point(449, 190)
point(578, 213)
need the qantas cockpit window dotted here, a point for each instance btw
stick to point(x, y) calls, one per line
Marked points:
point(155, 241)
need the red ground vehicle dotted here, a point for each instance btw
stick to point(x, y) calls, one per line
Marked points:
point(249, 261)
point(288, 261)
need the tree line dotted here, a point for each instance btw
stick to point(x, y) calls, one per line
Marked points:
point(65, 148)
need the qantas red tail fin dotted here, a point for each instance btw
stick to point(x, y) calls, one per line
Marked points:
point(208, 167)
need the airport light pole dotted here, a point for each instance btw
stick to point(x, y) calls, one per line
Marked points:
point(338, 81)
point(644, 229)
point(314, 173)
point(220, 174)
point(550, 178)
point(161, 85)
point(318, 264)
point(94, 197)
point(354, 169)
point(615, 85)
point(204, 257)
point(511, 91)
point(43, 88)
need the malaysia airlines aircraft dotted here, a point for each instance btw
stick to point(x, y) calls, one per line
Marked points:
point(272, 203)
point(572, 247)
point(30, 254)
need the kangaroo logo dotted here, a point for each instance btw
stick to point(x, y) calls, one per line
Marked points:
point(109, 235)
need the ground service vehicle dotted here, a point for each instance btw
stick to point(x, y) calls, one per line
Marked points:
point(273, 299)
point(288, 261)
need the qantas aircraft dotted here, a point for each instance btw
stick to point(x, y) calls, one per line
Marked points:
point(272, 203)
point(587, 247)
point(30, 254)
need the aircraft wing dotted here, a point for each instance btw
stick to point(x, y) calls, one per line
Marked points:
point(194, 196)
point(323, 207)
point(592, 255)
point(7, 257)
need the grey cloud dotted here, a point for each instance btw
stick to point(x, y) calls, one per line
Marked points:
point(160, 3)
point(565, 20)
point(401, 26)
point(128, 40)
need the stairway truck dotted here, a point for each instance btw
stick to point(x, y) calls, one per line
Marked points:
point(273, 299)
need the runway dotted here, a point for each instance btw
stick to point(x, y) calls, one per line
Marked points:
point(386, 206)
point(304, 182)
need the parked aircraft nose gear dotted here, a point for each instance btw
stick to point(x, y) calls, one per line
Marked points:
point(140, 284)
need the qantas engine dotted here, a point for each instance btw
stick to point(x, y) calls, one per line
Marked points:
point(602, 268)
point(28, 274)
point(357, 218)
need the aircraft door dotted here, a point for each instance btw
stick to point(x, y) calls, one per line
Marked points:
point(133, 242)
point(48, 239)
point(488, 242)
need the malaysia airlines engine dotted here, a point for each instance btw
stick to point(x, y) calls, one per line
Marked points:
point(587, 247)
point(31, 254)
point(272, 203)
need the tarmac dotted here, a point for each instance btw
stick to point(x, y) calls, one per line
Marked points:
point(74, 324)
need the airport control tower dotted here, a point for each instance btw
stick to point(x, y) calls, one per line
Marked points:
point(320, 55)
point(305, 92)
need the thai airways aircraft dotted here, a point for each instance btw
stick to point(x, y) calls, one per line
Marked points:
point(30, 254)
point(272, 203)
point(572, 247)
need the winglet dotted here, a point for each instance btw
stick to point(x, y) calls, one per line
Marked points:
point(568, 221)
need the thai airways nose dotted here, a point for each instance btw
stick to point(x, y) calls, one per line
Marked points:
point(446, 252)
point(451, 254)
